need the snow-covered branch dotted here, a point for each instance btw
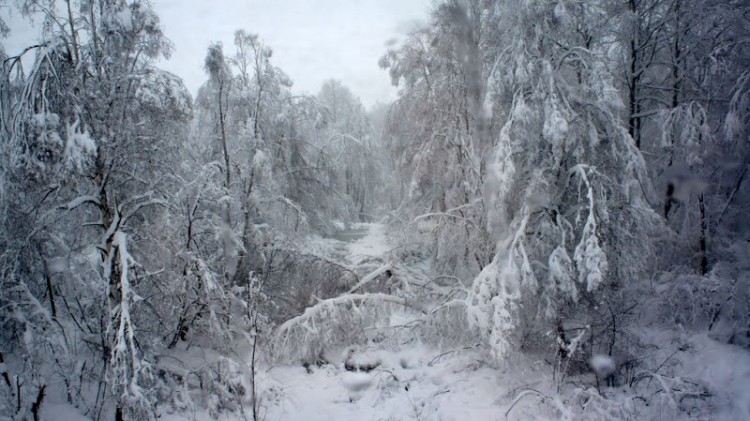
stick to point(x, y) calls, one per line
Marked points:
point(330, 322)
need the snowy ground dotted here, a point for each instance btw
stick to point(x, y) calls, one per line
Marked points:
point(373, 244)
point(419, 383)
point(410, 380)
point(407, 385)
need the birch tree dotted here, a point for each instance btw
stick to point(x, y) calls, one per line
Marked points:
point(81, 143)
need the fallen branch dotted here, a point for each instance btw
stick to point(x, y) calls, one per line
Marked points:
point(325, 306)
point(523, 394)
point(329, 322)
point(372, 275)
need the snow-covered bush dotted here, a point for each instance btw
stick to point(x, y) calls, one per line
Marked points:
point(717, 303)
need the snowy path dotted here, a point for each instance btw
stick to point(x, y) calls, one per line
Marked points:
point(414, 382)
point(373, 244)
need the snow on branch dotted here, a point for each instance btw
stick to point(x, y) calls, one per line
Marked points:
point(308, 318)
point(125, 365)
point(329, 322)
point(139, 202)
point(445, 214)
point(301, 215)
point(372, 275)
point(80, 200)
point(79, 145)
point(496, 293)
point(589, 256)
point(738, 115)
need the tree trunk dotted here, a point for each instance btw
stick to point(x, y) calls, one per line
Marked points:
point(37, 405)
point(222, 126)
point(704, 228)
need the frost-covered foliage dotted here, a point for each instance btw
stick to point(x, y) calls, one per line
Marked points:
point(289, 166)
point(347, 148)
point(717, 303)
point(385, 304)
point(533, 94)
point(699, 161)
point(564, 185)
point(88, 135)
point(548, 107)
point(438, 132)
point(332, 323)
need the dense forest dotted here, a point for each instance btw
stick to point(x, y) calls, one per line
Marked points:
point(558, 200)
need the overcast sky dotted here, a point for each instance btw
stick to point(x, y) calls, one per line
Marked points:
point(312, 40)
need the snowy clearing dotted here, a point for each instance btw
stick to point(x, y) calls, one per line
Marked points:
point(373, 244)
point(403, 379)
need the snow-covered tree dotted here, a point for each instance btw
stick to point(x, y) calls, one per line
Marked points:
point(346, 139)
point(565, 184)
point(438, 133)
point(701, 164)
point(88, 141)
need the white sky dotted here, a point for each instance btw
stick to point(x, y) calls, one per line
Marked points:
point(312, 40)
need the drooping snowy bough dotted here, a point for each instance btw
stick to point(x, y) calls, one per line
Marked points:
point(564, 189)
point(335, 321)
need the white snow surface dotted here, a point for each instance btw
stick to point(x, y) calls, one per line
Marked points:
point(410, 380)
point(373, 244)
point(726, 370)
point(403, 387)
